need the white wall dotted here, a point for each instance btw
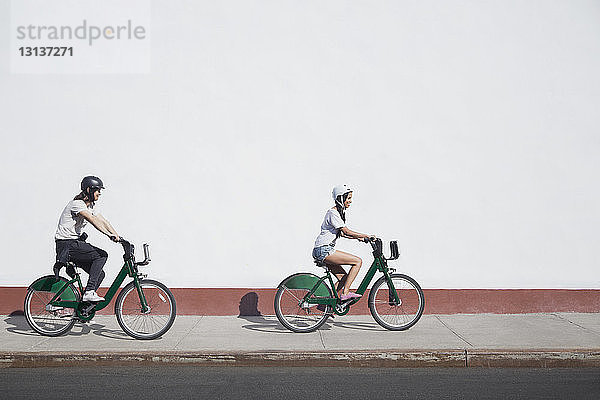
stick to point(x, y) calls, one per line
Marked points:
point(470, 130)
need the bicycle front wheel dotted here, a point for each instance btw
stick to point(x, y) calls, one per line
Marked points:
point(149, 324)
point(44, 318)
point(393, 315)
point(295, 314)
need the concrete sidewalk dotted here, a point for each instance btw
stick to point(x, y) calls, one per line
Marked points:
point(532, 340)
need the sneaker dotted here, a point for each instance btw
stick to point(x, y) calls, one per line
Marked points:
point(90, 295)
point(350, 295)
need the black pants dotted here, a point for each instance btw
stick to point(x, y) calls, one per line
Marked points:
point(90, 258)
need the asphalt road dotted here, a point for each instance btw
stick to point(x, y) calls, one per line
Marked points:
point(295, 383)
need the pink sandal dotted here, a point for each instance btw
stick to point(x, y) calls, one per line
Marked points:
point(350, 295)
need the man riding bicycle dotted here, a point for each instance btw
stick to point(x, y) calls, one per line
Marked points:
point(70, 241)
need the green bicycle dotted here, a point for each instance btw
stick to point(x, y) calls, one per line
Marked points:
point(304, 301)
point(145, 308)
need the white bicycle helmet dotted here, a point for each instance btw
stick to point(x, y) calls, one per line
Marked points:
point(340, 190)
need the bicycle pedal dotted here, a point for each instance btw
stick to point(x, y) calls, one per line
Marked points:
point(89, 308)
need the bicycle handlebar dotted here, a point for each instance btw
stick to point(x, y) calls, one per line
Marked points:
point(377, 246)
point(372, 241)
point(129, 249)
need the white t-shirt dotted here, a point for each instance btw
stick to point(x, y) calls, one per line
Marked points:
point(332, 223)
point(71, 222)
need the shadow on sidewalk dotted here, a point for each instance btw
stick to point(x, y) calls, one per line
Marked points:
point(361, 326)
point(261, 323)
point(21, 327)
point(271, 324)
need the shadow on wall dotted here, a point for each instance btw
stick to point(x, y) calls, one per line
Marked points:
point(249, 305)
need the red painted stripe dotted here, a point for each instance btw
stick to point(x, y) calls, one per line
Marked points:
point(239, 301)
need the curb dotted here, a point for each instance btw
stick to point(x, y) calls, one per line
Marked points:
point(534, 358)
point(377, 359)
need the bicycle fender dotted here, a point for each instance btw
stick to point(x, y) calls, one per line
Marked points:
point(306, 280)
point(51, 283)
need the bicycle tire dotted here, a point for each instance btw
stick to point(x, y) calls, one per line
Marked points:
point(152, 324)
point(42, 320)
point(290, 312)
point(397, 317)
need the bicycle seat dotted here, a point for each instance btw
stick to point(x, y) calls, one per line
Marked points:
point(70, 269)
point(321, 264)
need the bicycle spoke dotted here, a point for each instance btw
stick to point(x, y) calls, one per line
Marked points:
point(44, 321)
point(294, 317)
point(396, 316)
point(292, 294)
point(147, 324)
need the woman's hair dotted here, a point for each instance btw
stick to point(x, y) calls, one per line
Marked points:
point(83, 196)
point(80, 196)
point(340, 207)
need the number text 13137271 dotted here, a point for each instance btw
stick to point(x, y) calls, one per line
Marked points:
point(46, 51)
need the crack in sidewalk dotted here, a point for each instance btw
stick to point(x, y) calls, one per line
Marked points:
point(188, 332)
point(575, 323)
point(41, 342)
point(322, 341)
point(455, 333)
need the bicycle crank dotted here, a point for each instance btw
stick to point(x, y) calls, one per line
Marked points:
point(341, 308)
point(86, 312)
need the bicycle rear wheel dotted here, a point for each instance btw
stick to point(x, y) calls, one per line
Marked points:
point(153, 323)
point(385, 310)
point(44, 318)
point(292, 312)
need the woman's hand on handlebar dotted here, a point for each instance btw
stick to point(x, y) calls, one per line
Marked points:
point(115, 238)
point(368, 239)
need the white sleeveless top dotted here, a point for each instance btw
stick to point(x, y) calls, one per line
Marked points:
point(330, 227)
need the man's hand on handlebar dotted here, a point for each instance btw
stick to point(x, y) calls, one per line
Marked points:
point(368, 239)
point(115, 238)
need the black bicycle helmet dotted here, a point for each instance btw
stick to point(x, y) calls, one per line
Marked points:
point(89, 185)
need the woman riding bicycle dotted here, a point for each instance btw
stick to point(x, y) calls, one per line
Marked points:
point(70, 241)
point(334, 226)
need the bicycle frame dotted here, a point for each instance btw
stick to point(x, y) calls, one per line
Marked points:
point(379, 264)
point(129, 269)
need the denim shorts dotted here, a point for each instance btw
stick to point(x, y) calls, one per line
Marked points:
point(319, 253)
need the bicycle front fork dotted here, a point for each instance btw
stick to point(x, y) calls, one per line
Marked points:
point(143, 303)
